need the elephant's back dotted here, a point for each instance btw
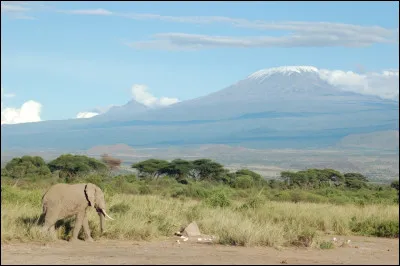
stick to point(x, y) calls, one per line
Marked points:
point(63, 190)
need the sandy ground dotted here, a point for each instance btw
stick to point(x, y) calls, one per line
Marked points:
point(363, 250)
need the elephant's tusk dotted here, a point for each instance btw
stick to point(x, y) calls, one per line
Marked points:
point(105, 214)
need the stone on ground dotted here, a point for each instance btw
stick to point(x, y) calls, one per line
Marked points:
point(191, 230)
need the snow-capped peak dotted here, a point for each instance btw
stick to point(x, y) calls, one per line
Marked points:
point(286, 70)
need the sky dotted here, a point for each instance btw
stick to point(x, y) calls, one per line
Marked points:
point(65, 60)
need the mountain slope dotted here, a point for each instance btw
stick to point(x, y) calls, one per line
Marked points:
point(286, 107)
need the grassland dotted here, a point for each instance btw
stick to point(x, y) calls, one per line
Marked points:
point(149, 210)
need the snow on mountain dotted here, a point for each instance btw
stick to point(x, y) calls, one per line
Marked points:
point(285, 70)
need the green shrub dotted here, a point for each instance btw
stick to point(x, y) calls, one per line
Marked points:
point(94, 179)
point(218, 199)
point(326, 245)
point(375, 227)
point(253, 203)
point(244, 181)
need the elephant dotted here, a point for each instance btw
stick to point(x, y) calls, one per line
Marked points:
point(65, 200)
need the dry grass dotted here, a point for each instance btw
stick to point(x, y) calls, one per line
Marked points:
point(147, 217)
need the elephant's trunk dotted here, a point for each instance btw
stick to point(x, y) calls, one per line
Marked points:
point(101, 216)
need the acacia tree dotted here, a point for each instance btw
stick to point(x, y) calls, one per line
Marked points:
point(206, 169)
point(71, 166)
point(256, 177)
point(151, 167)
point(27, 166)
point(178, 168)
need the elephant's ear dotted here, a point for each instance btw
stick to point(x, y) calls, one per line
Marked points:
point(90, 191)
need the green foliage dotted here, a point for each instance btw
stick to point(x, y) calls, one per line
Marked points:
point(26, 167)
point(319, 178)
point(244, 181)
point(206, 169)
point(353, 183)
point(253, 203)
point(12, 195)
point(199, 179)
point(245, 172)
point(150, 167)
point(94, 179)
point(218, 199)
point(355, 180)
point(71, 166)
point(395, 185)
point(178, 168)
point(375, 227)
point(192, 191)
point(326, 245)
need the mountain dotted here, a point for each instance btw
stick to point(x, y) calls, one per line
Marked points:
point(285, 107)
point(122, 112)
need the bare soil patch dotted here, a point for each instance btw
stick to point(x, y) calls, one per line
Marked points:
point(362, 250)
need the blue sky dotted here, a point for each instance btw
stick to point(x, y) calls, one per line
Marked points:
point(72, 57)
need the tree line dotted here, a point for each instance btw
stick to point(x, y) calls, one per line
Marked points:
point(70, 167)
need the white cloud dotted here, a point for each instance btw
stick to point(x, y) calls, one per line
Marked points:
point(16, 9)
point(86, 114)
point(94, 112)
point(7, 6)
point(141, 95)
point(332, 36)
point(21, 9)
point(29, 112)
point(384, 84)
point(98, 11)
point(298, 33)
point(9, 95)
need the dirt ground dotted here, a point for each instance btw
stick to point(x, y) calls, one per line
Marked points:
point(362, 250)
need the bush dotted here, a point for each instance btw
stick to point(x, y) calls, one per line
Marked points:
point(326, 245)
point(244, 181)
point(374, 227)
point(94, 179)
point(253, 203)
point(218, 199)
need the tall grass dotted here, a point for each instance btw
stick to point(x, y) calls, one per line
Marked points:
point(251, 221)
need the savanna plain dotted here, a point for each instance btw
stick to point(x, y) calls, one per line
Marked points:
point(315, 216)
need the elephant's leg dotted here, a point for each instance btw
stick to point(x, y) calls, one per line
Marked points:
point(86, 228)
point(78, 225)
point(49, 224)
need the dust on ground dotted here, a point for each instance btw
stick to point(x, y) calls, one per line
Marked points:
point(363, 250)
